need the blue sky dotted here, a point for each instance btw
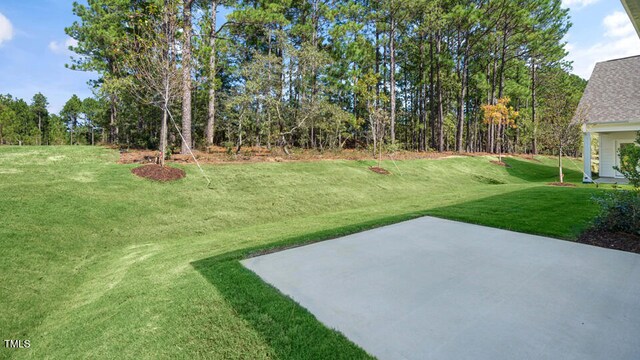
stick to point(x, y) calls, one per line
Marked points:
point(33, 45)
point(32, 59)
point(601, 31)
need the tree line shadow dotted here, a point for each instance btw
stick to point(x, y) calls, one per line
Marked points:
point(531, 170)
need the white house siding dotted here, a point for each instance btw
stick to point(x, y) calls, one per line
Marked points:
point(608, 151)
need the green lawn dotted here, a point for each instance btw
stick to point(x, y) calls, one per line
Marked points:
point(99, 263)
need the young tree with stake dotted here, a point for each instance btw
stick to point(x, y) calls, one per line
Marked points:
point(561, 126)
point(151, 57)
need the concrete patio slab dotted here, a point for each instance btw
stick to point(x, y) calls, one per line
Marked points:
point(438, 289)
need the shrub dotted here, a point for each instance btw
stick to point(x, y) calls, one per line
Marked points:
point(630, 163)
point(619, 211)
point(229, 145)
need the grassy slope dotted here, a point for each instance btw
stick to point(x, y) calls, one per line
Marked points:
point(97, 262)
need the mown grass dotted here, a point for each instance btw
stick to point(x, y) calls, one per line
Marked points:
point(99, 263)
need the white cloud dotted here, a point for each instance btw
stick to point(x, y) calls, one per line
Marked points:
point(620, 40)
point(577, 3)
point(618, 25)
point(55, 47)
point(6, 29)
point(62, 47)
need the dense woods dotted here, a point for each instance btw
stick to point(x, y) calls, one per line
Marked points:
point(395, 74)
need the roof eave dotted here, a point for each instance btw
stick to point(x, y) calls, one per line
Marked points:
point(633, 9)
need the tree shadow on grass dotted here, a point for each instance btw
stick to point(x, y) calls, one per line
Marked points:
point(539, 172)
point(543, 210)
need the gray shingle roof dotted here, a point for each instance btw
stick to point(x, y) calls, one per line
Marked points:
point(613, 93)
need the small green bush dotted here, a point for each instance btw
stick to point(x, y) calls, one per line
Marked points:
point(229, 147)
point(630, 163)
point(619, 211)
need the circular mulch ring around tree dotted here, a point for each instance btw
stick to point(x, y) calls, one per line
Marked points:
point(379, 170)
point(561, 184)
point(159, 173)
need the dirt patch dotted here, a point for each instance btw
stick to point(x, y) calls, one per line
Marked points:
point(500, 163)
point(139, 157)
point(379, 170)
point(159, 173)
point(561, 184)
point(611, 240)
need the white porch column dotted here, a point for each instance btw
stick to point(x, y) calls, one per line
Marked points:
point(586, 158)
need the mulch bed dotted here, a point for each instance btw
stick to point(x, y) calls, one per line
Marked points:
point(159, 173)
point(561, 184)
point(219, 155)
point(379, 170)
point(501, 163)
point(611, 240)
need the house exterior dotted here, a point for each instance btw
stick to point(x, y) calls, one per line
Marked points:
point(610, 107)
point(610, 110)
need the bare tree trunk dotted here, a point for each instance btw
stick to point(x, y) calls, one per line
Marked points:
point(534, 141)
point(163, 135)
point(377, 68)
point(113, 116)
point(405, 90)
point(239, 137)
point(463, 94)
point(392, 74)
point(492, 133)
point(432, 110)
point(315, 19)
point(166, 73)
point(71, 133)
point(372, 124)
point(439, 91)
point(211, 112)
point(186, 77)
point(39, 128)
point(560, 164)
point(422, 99)
point(501, 79)
point(501, 128)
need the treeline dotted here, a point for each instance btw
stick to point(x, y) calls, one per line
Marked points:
point(412, 74)
point(23, 123)
point(79, 122)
